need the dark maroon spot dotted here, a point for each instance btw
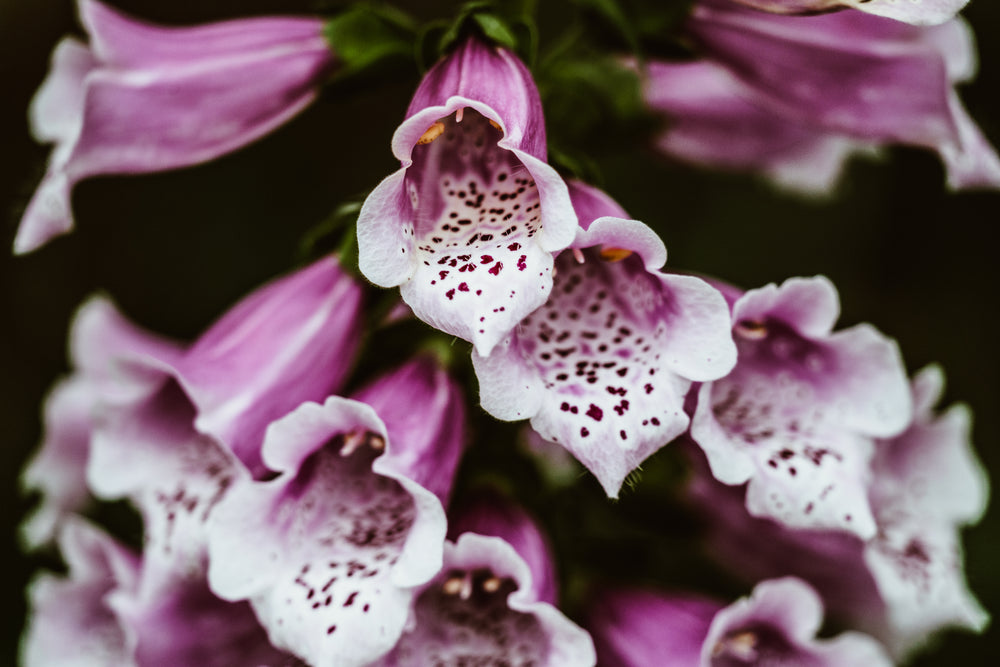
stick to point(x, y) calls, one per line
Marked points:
point(595, 413)
point(521, 264)
point(330, 630)
point(584, 432)
point(514, 247)
point(450, 294)
point(622, 434)
point(464, 287)
point(496, 268)
point(485, 259)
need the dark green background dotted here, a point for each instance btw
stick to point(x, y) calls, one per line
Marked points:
point(175, 249)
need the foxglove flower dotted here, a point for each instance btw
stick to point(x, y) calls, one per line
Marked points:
point(905, 583)
point(176, 449)
point(492, 602)
point(72, 621)
point(104, 350)
point(115, 608)
point(604, 367)
point(142, 98)
point(798, 415)
point(467, 226)
point(776, 625)
point(917, 12)
point(330, 551)
point(794, 96)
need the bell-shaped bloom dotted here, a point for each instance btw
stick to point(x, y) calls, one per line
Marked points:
point(917, 12)
point(797, 416)
point(171, 617)
point(468, 225)
point(905, 583)
point(71, 621)
point(141, 98)
point(330, 551)
point(104, 347)
point(604, 366)
point(793, 97)
point(114, 608)
point(176, 449)
point(492, 602)
point(776, 625)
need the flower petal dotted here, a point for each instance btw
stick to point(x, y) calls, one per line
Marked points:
point(604, 366)
point(71, 622)
point(482, 609)
point(917, 12)
point(347, 538)
point(290, 341)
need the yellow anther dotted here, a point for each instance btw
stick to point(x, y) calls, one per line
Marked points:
point(452, 586)
point(610, 254)
point(432, 133)
point(751, 329)
point(376, 442)
point(742, 646)
point(492, 585)
point(352, 441)
point(495, 124)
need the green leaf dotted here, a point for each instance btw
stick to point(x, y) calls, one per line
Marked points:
point(367, 34)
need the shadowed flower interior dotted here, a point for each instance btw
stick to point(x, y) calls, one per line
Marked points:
point(477, 209)
point(463, 619)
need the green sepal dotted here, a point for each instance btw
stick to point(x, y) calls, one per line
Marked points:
point(368, 34)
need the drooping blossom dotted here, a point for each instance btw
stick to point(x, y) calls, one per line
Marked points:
point(797, 417)
point(776, 626)
point(331, 550)
point(604, 366)
point(71, 621)
point(116, 608)
point(794, 96)
point(142, 98)
point(917, 12)
point(905, 583)
point(102, 345)
point(176, 448)
point(493, 600)
point(468, 225)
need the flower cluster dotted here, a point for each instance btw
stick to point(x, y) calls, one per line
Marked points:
point(300, 507)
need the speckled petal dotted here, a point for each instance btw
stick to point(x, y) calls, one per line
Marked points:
point(482, 609)
point(348, 537)
point(797, 415)
point(150, 453)
point(604, 366)
point(467, 225)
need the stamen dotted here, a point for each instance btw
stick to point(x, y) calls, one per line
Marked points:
point(742, 646)
point(452, 586)
point(495, 124)
point(751, 329)
point(432, 133)
point(352, 441)
point(459, 114)
point(376, 442)
point(578, 255)
point(610, 254)
point(466, 591)
point(492, 585)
